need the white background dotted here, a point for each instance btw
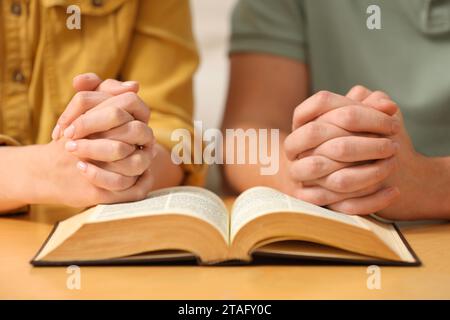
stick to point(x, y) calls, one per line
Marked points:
point(211, 28)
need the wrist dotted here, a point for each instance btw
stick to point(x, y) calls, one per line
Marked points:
point(165, 172)
point(426, 188)
point(282, 181)
point(34, 173)
point(438, 182)
point(17, 180)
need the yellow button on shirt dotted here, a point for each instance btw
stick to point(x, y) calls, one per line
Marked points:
point(149, 41)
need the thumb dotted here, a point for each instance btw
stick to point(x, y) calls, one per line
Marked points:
point(381, 102)
point(86, 82)
point(115, 87)
point(92, 82)
point(386, 106)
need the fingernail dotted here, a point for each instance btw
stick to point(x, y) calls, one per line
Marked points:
point(56, 132)
point(69, 132)
point(89, 76)
point(129, 83)
point(82, 166)
point(71, 146)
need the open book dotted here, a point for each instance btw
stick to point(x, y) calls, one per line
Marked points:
point(188, 222)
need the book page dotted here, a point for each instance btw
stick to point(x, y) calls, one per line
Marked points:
point(390, 236)
point(191, 201)
point(260, 201)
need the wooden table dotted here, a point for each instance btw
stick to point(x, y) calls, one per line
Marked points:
point(21, 237)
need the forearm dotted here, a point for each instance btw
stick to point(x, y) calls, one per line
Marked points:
point(424, 187)
point(15, 182)
point(165, 172)
point(257, 99)
point(437, 184)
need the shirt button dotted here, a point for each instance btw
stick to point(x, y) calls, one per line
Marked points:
point(16, 8)
point(18, 76)
point(97, 3)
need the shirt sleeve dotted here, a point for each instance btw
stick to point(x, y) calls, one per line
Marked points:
point(268, 26)
point(8, 141)
point(163, 58)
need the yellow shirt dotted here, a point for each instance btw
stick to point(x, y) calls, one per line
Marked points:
point(149, 41)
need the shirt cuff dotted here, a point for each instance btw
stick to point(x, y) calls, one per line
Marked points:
point(8, 141)
point(262, 44)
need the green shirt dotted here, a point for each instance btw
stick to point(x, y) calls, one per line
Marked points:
point(409, 57)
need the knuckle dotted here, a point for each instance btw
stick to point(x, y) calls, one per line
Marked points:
point(92, 173)
point(143, 131)
point(387, 124)
point(358, 91)
point(319, 198)
point(84, 148)
point(379, 95)
point(349, 208)
point(144, 110)
point(296, 110)
point(81, 125)
point(341, 148)
point(80, 98)
point(108, 82)
point(135, 163)
point(300, 194)
point(63, 119)
point(313, 130)
point(322, 96)
point(138, 163)
point(119, 182)
point(359, 88)
point(136, 127)
point(129, 97)
point(382, 123)
point(119, 149)
point(378, 172)
point(141, 193)
point(116, 114)
point(314, 165)
point(289, 147)
point(296, 116)
point(348, 116)
point(147, 113)
point(385, 147)
point(150, 133)
point(340, 182)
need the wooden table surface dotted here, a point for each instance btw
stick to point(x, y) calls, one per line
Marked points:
point(22, 236)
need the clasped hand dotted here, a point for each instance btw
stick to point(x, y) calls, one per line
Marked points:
point(350, 153)
point(104, 135)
